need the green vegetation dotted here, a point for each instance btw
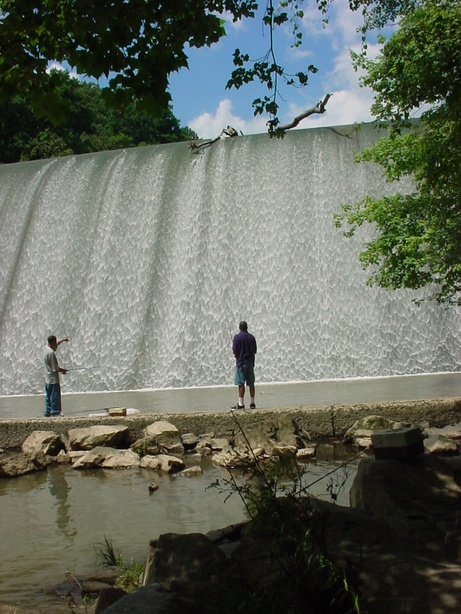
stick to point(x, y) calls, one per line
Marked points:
point(418, 242)
point(129, 577)
point(134, 44)
point(91, 126)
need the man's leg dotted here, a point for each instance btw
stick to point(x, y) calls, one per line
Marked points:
point(56, 400)
point(241, 394)
point(239, 380)
point(47, 400)
point(252, 397)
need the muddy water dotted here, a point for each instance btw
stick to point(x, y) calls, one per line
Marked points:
point(55, 521)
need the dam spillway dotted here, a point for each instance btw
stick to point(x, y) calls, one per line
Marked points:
point(147, 259)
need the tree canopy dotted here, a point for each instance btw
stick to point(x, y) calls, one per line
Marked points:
point(134, 44)
point(90, 126)
point(419, 234)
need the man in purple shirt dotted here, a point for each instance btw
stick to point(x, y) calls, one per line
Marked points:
point(244, 348)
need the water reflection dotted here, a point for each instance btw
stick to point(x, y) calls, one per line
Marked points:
point(60, 489)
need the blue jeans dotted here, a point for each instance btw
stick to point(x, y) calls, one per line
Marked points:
point(52, 399)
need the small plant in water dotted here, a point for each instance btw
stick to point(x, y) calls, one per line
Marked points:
point(71, 602)
point(129, 577)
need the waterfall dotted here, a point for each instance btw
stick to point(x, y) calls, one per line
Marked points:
point(148, 258)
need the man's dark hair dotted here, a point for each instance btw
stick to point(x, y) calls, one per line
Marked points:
point(243, 325)
point(51, 339)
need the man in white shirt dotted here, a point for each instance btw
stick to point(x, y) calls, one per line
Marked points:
point(52, 371)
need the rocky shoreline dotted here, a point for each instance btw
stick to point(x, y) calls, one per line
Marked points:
point(322, 422)
point(407, 512)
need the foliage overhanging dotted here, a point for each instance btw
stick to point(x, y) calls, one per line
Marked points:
point(418, 242)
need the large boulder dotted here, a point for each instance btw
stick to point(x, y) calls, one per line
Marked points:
point(43, 442)
point(440, 444)
point(100, 435)
point(17, 465)
point(162, 462)
point(107, 458)
point(192, 566)
point(165, 435)
point(275, 432)
point(422, 488)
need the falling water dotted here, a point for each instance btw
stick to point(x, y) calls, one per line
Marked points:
point(148, 258)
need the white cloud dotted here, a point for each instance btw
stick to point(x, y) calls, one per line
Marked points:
point(58, 66)
point(209, 126)
point(346, 107)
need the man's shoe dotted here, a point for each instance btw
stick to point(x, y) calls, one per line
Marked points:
point(238, 406)
point(252, 406)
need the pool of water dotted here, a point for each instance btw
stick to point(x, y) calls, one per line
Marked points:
point(54, 522)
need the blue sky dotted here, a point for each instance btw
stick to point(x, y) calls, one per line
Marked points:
point(201, 101)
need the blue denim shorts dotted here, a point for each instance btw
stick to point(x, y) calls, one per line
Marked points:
point(244, 375)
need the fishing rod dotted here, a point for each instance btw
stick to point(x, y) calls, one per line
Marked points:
point(90, 368)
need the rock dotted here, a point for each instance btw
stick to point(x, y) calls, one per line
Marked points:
point(153, 486)
point(63, 457)
point(162, 462)
point(277, 430)
point(222, 443)
point(397, 443)
point(231, 458)
point(150, 600)
point(439, 444)
point(145, 446)
point(360, 432)
point(45, 442)
point(95, 436)
point(176, 448)
point(304, 453)
point(191, 565)
point(422, 489)
point(107, 458)
point(283, 451)
point(203, 446)
point(166, 435)
point(189, 441)
point(107, 597)
point(16, 465)
point(453, 431)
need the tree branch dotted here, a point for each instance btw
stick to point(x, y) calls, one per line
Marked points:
point(231, 132)
point(319, 108)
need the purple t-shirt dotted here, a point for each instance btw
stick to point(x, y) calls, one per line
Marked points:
point(244, 348)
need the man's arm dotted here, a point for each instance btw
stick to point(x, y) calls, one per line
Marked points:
point(66, 339)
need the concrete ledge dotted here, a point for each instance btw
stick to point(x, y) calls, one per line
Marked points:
point(329, 421)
